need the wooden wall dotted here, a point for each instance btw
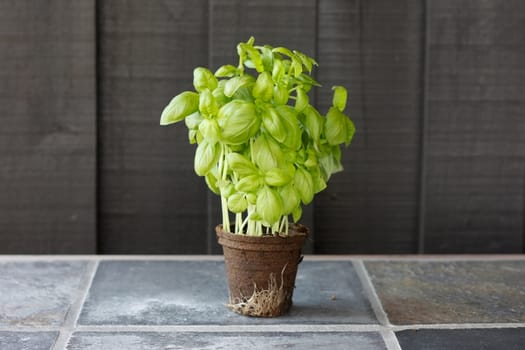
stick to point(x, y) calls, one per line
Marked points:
point(436, 90)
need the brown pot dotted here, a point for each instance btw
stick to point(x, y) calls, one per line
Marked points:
point(261, 270)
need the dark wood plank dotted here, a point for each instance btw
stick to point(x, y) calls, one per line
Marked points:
point(475, 136)
point(47, 137)
point(151, 199)
point(374, 49)
point(278, 23)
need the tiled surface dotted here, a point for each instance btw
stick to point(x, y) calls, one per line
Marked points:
point(38, 293)
point(193, 293)
point(105, 303)
point(27, 340)
point(209, 341)
point(450, 292)
point(464, 339)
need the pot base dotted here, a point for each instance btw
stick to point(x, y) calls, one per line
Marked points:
point(261, 271)
point(270, 302)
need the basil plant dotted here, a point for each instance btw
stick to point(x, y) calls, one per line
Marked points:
point(261, 145)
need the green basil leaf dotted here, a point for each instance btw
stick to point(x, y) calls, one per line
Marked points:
point(206, 156)
point(297, 213)
point(192, 136)
point(280, 95)
point(193, 120)
point(290, 198)
point(330, 161)
point(284, 51)
point(336, 127)
point(237, 203)
point(226, 71)
point(269, 205)
point(255, 57)
point(226, 187)
point(240, 164)
point(311, 161)
point(204, 79)
point(273, 124)
point(313, 123)
point(263, 88)
point(238, 121)
point(297, 67)
point(211, 181)
point(267, 153)
point(302, 100)
point(267, 57)
point(233, 84)
point(303, 183)
point(248, 183)
point(290, 120)
point(340, 96)
point(277, 177)
point(180, 107)
point(207, 104)
point(219, 96)
point(251, 198)
point(305, 79)
point(210, 130)
point(319, 182)
point(305, 60)
point(350, 131)
point(278, 70)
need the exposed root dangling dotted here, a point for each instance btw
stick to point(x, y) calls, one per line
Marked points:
point(264, 302)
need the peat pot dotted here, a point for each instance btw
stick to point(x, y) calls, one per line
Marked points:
point(261, 270)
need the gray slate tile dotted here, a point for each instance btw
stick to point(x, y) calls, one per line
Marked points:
point(237, 341)
point(38, 293)
point(464, 339)
point(27, 340)
point(178, 292)
point(450, 292)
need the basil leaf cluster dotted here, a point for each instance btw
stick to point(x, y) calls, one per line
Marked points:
point(261, 145)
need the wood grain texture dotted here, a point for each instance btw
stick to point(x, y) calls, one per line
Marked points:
point(374, 49)
point(476, 129)
point(151, 199)
point(278, 23)
point(47, 137)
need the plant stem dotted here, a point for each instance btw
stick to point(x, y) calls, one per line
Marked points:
point(225, 214)
point(222, 167)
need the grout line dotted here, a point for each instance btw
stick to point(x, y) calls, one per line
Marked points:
point(390, 339)
point(370, 292)
point(384, 258)
point(398, 328)
point(75, 309)
point(263, 328)
point(286, 328)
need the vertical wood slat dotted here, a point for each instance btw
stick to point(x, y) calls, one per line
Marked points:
point(476, 142)
point(47, 137)
point(374, 49)
point(151, 200)
point(274, 22)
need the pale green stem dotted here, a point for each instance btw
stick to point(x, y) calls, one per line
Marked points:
point(224, 202)
point(225, 215)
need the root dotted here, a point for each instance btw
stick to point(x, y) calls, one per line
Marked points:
point(264, 302)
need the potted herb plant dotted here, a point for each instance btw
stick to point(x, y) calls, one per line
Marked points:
point(265, 150)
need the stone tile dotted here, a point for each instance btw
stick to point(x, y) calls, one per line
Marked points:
point(464, 339)
point(38, 293)
point(27, 340)
point(178, 292)
point(450, 292)
point(209, 341)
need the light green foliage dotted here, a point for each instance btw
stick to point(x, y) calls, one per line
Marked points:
point(261, 145)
